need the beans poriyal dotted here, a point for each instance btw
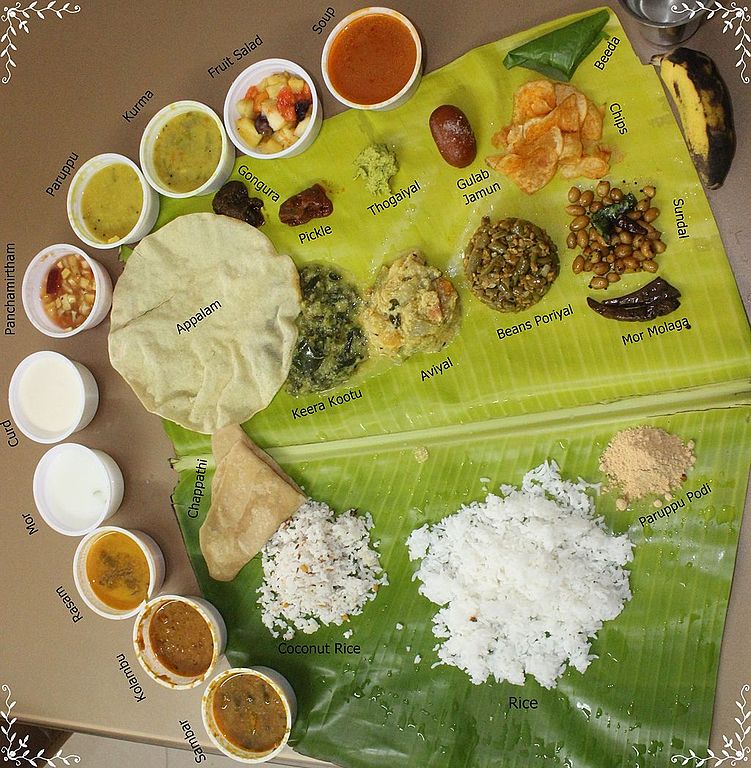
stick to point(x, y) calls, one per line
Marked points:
point(510, 264)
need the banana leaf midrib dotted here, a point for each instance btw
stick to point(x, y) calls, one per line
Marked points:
point(709, 397)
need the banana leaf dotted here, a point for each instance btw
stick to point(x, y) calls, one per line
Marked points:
point(559, 363)
point(508, 402)
point(648, 695)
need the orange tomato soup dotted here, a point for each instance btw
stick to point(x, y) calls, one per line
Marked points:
point(372, 59)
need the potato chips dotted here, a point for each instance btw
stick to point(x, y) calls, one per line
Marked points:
point(554, 127)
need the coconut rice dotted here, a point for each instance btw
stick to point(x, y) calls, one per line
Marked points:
point(524, 579)
point(318, 569)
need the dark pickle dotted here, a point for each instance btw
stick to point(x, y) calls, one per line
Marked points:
point(311, 203)
point(233, 200)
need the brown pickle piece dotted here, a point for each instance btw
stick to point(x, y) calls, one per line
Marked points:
point(655, 299)
point(233, 200)
point(311, 203)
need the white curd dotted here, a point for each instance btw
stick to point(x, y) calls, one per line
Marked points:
point(50, 394)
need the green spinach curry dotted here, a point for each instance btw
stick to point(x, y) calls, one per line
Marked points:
point(330, 342)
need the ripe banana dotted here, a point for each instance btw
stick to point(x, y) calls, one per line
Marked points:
point(703, 103)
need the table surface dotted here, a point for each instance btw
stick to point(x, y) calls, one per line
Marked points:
point(74, 81)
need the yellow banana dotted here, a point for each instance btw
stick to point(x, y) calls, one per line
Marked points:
point(703, 103)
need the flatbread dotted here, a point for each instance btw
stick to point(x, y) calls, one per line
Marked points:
point(250, 498)
point(203, 321)
point(226, 438)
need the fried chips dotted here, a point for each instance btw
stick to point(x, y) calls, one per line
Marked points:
point(554, 127)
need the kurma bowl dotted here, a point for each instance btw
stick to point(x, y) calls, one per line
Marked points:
point(110, 202)
point(372, 59)
point(253, 77)
point(223, 715)
point(184, 150)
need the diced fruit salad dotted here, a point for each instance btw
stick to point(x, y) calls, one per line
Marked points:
point(274, 113)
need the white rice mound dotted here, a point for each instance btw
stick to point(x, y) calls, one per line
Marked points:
point(525, 579)
point(318, 569)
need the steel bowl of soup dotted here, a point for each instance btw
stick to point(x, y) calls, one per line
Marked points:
point(248, 713)
point(373, 59)
point(110, 203)
point(178, 640)
point(185, 150)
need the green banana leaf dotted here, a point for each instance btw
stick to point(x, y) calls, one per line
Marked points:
point(558, 53)
point(649, 694)
point(558, 391)
point(559, 363)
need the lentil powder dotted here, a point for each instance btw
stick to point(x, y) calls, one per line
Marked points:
point(643, 461)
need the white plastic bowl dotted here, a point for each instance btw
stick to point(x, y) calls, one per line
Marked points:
point(152, 553)
point(111, 478)
point(410, 86)
point(149, 210)
point(87, 395)
point(278, 682)
point(252, 76)
point(34, 279)
point(145, 653)
point(151, 132)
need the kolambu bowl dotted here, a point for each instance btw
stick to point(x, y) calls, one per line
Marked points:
point(149, 659)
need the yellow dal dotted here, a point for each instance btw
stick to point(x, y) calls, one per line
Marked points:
point(187, 151)
point(111, 203)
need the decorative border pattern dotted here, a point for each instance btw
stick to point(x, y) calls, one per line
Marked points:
point(733, 752)
point(18, 753)
point(17, 19)
point(734, 19)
